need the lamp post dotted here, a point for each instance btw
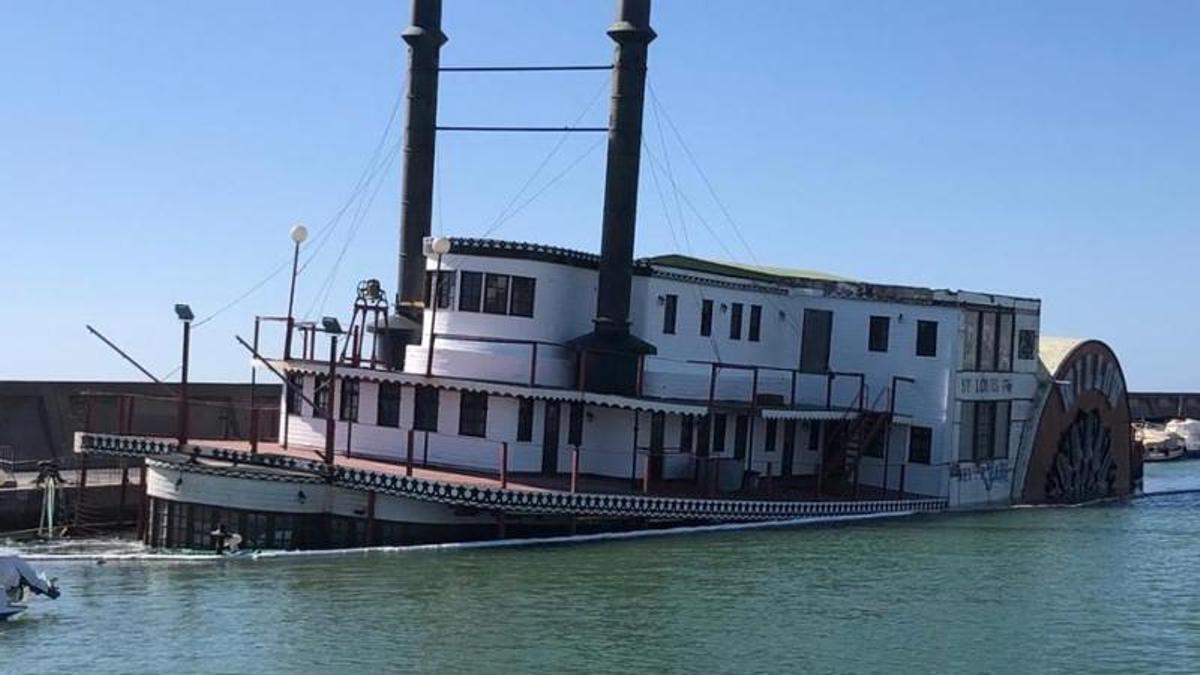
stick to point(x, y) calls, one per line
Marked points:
point(185, 315)
point(330, 325)
point(299, 233)
point(440, 247)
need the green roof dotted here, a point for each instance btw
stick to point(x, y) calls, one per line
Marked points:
point(756, 272)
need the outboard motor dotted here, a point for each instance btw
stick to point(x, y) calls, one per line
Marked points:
point(17, 578)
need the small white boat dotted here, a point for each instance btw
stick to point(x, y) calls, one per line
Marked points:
point(18, 580)
point(1161, 445)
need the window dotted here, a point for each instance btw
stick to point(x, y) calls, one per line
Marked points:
point(472, 414)
point(348, 406)
point(772, 432)
point(735, 321)
point(877, 340)
point(444, 287)
point(470, 297)
point(814, 341)
point(1027, 344)
point(575, 425)
point(686, 432)
point(495, 293)
point(388, 407)
point(755, 323)
point(320, 395)
point(987, 340)
point(703, 435)
point(522, 296)
point(920, 444)
point(524, 420)
point(718, 440)
point(970, 346)
point(295, 393)
point(927, 338)
point(983, 430)
point(670, 305)
point(706, 309)
point(1004, 351)
point(814, 435)
point(425, 409)
point(741, 433)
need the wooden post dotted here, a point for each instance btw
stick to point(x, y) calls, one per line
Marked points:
point(503, 465)
point(124, 490)
point(141, 519)
point(574, 469)
point(370, 518)
point(408, 457)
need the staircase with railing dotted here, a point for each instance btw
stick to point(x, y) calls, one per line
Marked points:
point(849, 438)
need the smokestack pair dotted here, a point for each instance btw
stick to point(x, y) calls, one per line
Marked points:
point(610, 354)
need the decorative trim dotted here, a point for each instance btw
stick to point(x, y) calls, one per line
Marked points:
point(551, 502)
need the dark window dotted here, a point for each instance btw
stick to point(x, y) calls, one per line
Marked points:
point(718, 440)
point(735, 321)
point(772, 431)
point(927, 338)
point(495, 293)
point(703, 435)
point(1027, 348)
point(295, 393)
point(348, 405)
point(425, 409)
point(741, 433)
point(670, 305)
point(984, 426)
point(472, 414)
point(525, 420)
point(878, 339)
point(755, 323)
point(814, 435)
point(686, 432)
point(522, 296)
point(920, 444)
point(388, 412)
point(470, 295)
point(320, 396)
point(814, 341)
point(706, 309)
point(445, 289)
point(575, 425)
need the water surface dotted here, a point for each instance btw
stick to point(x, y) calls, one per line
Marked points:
point(1104, 589)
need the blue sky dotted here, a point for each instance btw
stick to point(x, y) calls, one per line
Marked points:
point(156, 153)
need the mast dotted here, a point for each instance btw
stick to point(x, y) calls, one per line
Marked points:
point(610, 353)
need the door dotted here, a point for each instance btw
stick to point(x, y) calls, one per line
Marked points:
point(789, 447)
point(550, 434)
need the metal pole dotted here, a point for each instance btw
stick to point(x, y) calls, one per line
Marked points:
point(183, 386)
point(254, 385)
point(433, 299)
point(408, 456)
point(329, 421)
point(287, 338)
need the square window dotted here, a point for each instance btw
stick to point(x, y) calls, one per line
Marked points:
point(670, 306)
point(495, 293)
point(1027, 349)
point(470, 297)
point(388, 410)
point(425, 409)
point(525, 420)
point(348, 405)
point(755, 323)
point(472, 414)
point(320, 396)
point(522, 296)
point(920, 445)
point(443, 284)
point(735, 321)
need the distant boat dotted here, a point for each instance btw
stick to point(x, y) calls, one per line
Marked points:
point(1162, 444)
point(1188, 431)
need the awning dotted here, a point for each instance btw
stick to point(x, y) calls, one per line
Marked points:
point(812, 414)
point(494, 388)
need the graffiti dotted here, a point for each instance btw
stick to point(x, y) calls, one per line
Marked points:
point(989, 472)
point(1084, 468)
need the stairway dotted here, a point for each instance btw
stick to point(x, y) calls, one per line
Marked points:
point(846, 444)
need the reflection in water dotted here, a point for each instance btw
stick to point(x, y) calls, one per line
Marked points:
point(1027, 590)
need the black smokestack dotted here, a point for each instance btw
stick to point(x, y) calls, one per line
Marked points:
point(610, 353)
point(425, 39)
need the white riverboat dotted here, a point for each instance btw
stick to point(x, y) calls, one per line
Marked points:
point(516, 388)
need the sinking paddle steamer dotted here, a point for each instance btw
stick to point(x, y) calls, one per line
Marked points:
point(519, 389)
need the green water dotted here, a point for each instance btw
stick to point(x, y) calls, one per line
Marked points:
point(1108, 589)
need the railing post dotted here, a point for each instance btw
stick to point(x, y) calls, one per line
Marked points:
point(408, 455)
point(574, 469)
point(503, 465)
